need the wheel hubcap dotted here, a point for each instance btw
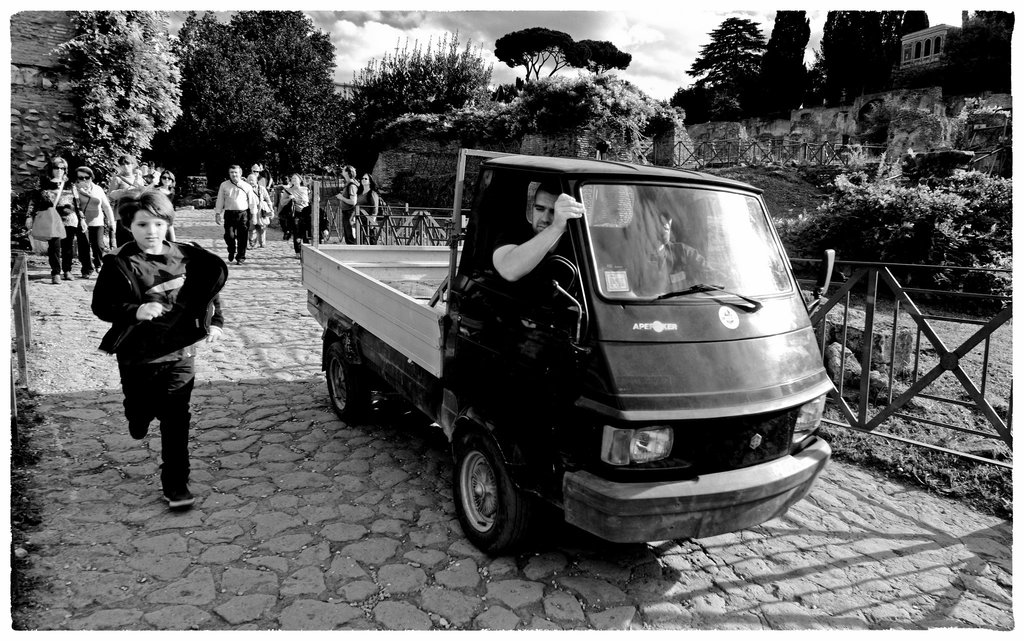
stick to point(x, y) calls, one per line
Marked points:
point(479, 491)
point(338, 383)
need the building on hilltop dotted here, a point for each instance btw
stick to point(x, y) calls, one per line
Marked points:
point(924, 48)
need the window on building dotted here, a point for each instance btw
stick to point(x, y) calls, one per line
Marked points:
point(927, 48)
point(938, 44)
point(917, 50)
point(906, 53)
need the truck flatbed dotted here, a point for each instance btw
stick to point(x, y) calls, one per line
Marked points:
point(386, 291)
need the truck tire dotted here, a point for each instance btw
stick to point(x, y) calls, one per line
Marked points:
point(495, 516)
point(350, 397)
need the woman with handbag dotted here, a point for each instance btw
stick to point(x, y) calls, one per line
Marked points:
point(51, 211)
point(261, 219)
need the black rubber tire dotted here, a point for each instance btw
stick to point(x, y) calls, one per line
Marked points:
point(495, 516)
point(346, 384)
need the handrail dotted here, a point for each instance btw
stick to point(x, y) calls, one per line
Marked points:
point(22, 330)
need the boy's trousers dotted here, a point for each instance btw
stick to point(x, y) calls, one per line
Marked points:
point(163, 391)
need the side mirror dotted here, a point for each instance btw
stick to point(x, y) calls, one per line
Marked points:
point(828, 262)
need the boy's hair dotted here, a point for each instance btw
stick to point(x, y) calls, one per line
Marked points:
point(126, 160)
point(151, 201)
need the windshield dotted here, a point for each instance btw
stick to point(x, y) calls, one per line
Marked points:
point(652, 240)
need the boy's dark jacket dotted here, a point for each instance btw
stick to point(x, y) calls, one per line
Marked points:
point(117, 297)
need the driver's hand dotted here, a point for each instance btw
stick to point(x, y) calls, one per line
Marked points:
point(214, 335)
point(567, 207)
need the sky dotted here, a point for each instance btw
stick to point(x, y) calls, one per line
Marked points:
point(663, 42)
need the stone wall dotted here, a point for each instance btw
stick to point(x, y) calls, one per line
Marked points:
point(42, 113)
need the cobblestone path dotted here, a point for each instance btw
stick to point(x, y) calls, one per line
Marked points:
point(304, 522)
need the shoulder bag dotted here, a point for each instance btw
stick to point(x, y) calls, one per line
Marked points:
point(48, 224)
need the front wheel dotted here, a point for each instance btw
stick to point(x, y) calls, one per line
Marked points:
point(346, 385)
point(494, 514)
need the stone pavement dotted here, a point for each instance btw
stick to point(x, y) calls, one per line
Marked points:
point(304, 522)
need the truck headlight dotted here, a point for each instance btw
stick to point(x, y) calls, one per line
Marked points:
point(808, 419)
point(621, 446)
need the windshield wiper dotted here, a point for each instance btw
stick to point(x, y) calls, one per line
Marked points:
point(703, 288)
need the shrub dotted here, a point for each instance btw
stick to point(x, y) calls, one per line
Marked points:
point(964, 220)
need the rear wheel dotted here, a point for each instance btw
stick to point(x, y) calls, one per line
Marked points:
point(346, 384)
point(494, 514)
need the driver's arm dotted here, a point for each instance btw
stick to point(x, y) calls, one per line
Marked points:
point(515, 261)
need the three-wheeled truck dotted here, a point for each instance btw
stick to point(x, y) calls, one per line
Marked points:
point(655, 377)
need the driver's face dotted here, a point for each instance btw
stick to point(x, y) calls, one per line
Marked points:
point(543, 210)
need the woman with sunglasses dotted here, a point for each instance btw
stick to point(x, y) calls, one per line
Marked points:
point(166, 186)
point(94, 208)
point(51, 211)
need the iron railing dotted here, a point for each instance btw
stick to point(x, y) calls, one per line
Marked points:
point(764, 152)
point(897, 346)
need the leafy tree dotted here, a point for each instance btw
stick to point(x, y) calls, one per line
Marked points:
point(125, 83)
point(535, 47)
point(434, 80)
point(728, 66)
point(858, 51)
point(978, 56)
point(695, 102)
point(258, 88)
point(783, 78)
point(297, 61)
point(603, 55)
point(914, 21)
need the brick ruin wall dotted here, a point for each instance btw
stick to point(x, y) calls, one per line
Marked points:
point(42, 113)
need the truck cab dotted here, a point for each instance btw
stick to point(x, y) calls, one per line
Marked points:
point(656, 376)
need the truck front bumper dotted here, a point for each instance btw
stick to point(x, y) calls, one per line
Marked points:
point(705, 506)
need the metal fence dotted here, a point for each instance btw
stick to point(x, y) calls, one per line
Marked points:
point(903, 353)
point(765, 152)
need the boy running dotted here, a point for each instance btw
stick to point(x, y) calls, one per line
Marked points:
point(162, 298)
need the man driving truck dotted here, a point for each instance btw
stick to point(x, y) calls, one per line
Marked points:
point(516, 251)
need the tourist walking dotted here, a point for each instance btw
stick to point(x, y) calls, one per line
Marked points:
point(348, 196)
point(296, 198)
point(166, 185)
point(368, 209)
point(235, 199)
point(120, 181)
point(49, 210)
point(92, 205)
point(261, 218)
point(162, 298)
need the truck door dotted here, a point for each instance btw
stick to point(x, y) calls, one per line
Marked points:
point(510, 343)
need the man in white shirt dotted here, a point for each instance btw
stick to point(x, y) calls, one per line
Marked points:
point(235, 199)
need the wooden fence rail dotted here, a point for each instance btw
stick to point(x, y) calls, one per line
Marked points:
point(22, 330)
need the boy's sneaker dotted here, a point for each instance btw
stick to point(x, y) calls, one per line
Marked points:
point(55, 279)
point(138, 429)
point(68, 276)
point(181, 499)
